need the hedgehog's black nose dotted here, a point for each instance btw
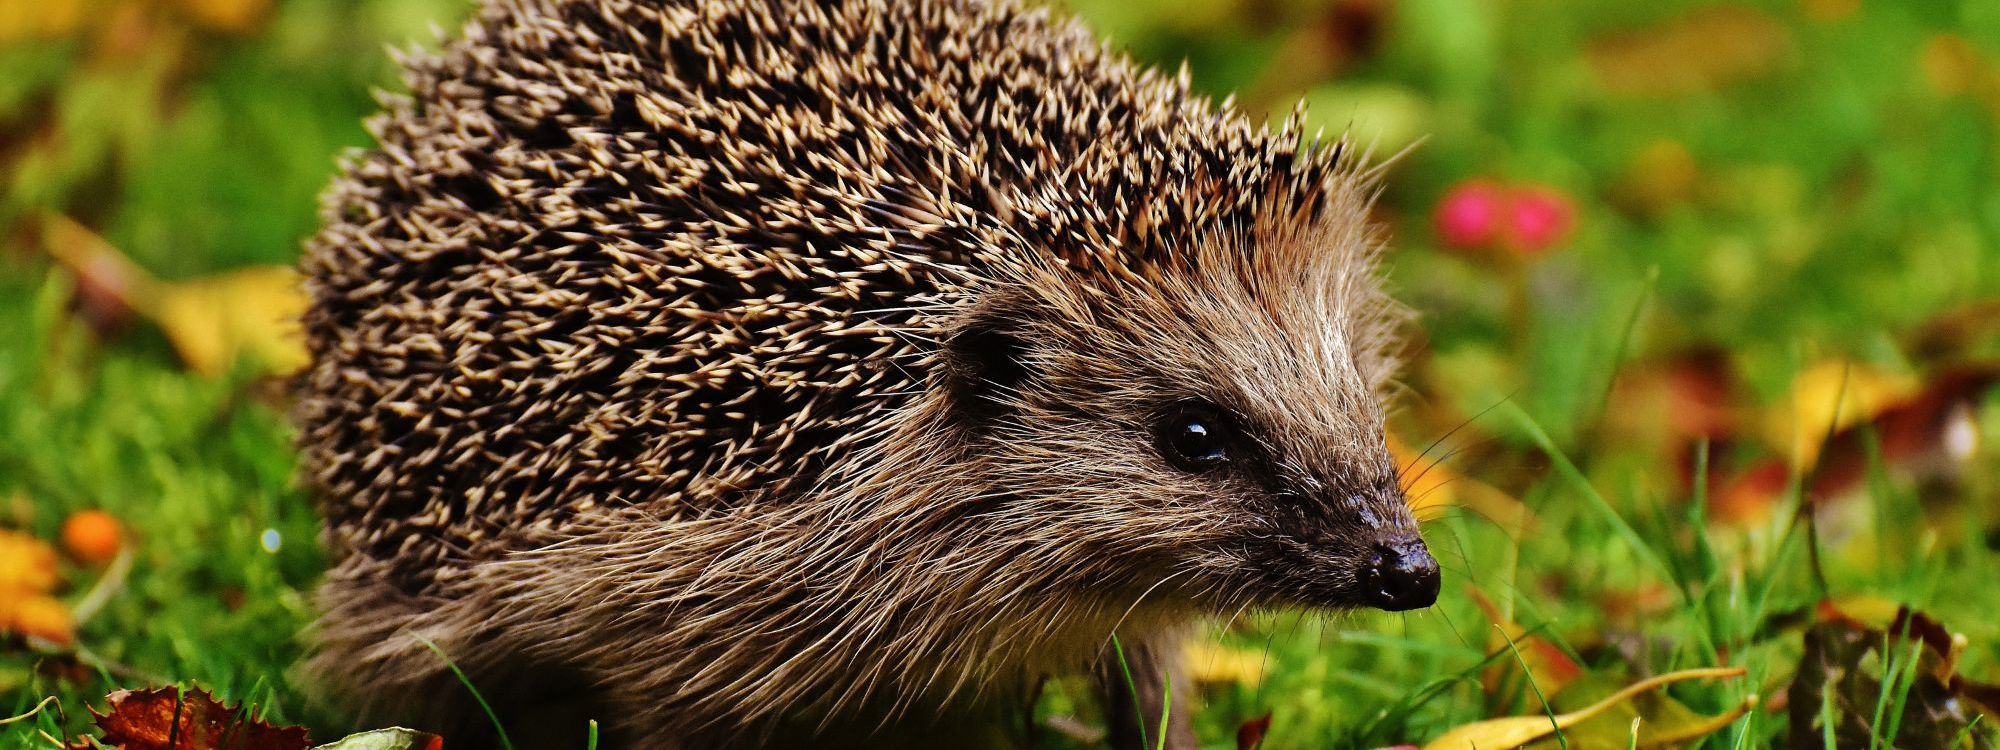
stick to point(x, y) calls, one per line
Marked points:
point(1400, 575)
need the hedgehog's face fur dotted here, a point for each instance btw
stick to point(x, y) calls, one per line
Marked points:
point(1212, 423)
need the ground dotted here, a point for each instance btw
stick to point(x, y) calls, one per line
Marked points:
point(1709, 298)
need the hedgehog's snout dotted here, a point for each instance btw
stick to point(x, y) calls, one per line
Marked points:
point(1400, 575)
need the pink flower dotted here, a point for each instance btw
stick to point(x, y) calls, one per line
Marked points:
point(1538, 218)
point(1482, 215)
point(1469, 216)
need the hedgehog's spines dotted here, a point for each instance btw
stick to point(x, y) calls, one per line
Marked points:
point(632, 331)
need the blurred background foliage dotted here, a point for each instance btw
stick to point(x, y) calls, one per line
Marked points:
point(1767, 279)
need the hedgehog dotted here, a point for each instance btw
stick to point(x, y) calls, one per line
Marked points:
point(758, 373)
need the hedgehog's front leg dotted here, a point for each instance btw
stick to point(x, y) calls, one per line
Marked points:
point(1134, 689)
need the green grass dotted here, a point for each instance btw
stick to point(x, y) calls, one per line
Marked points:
point(198, 470)
point(1841, 204)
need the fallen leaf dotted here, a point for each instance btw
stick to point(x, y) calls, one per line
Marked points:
point(1847, 667)
point(1749, 496)
point(189, 719)
point(27, 563)
point(394, 738)
point(1859, 611)
point(1928, 432)
point(37, 616)
point(27, 575)
point(1549, 667)
point(211, 321)
point(252, 311)
point(1660, 720)
point(1516, 731)
point(1882, 619)
point(1214, 663)
point(1829, 396)
point(1251, 733)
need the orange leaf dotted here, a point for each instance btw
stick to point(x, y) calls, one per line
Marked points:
point(189, 720)
point(37, 616)
point(1549, 667)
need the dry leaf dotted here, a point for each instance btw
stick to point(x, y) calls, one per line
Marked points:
point(1251, 733)
point(211, 321)
point(27, 575)
point(250, 312)
point(191, 720)
point(37, 616)
point(1516, 731)
point(1550, 668)
point(1847, 660)
point(1828, 396)
point(27, 564)
point(1656, 717)
point(394, 738)
point(1930, 432)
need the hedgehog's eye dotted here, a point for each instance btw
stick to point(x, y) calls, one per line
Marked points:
point(1193, 436)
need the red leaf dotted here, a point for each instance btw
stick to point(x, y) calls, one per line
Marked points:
point(169, 718)
point(1251, 734)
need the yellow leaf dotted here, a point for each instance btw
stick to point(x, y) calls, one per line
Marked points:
point(1214, 663)
point(1515, 731)
point(27, 564)
point(249, 312)
point(211, 320)
point(1827, 396)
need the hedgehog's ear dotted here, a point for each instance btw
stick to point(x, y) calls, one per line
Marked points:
point(985, 360)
